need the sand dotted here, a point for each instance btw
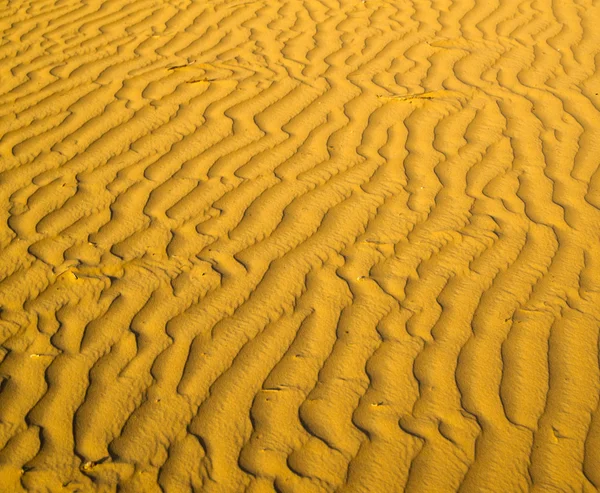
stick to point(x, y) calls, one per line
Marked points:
point(299, 246)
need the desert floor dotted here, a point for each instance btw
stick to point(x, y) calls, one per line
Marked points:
point(299, 246)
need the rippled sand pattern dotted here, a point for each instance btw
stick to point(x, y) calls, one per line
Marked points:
point(299, 246)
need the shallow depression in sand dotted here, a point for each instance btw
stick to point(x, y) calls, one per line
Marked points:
point(299, 246)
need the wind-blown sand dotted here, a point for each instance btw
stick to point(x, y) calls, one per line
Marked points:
point(299, 246)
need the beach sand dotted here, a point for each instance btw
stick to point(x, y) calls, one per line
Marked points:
point(299, 246)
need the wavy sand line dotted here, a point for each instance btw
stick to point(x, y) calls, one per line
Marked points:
point(299, 246)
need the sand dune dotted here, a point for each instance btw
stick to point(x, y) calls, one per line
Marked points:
point(298, 246)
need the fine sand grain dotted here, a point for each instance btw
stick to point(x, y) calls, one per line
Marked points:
point(299, 246)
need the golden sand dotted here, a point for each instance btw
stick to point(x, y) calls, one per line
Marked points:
point(299, 246)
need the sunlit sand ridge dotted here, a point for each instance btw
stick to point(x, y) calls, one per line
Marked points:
point(299, 246)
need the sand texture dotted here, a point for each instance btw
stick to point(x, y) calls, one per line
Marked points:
point(299, 246)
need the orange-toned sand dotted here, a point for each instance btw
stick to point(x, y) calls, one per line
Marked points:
point(299, 246)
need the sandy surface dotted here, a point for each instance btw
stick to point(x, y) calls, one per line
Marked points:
point(299, 246)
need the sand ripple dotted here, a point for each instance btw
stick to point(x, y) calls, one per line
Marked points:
point(300, 245)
